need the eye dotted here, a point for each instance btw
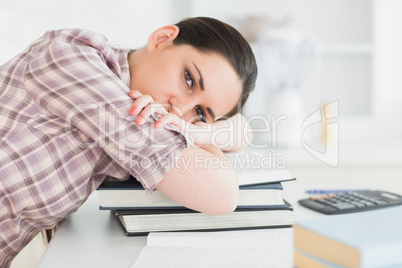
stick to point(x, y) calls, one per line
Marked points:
point(200, 113)
point(188, 79)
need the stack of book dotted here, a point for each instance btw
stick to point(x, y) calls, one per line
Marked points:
point(261, 205)
point(364, 239)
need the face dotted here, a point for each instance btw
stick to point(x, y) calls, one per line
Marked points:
point(194, 85)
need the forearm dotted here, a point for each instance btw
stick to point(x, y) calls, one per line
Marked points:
point(231, 135)
point(204, 182)
point(213, 150)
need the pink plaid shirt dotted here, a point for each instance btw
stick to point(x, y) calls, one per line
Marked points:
point(64, 127)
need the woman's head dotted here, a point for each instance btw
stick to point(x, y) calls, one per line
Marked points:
point(211, 35)
point(199, 68)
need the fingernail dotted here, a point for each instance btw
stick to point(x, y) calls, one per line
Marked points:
point(140, 120)
point(157, 123)
point(133, 110)
point(133, 94)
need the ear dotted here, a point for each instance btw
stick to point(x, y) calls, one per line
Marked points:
point(162, 36)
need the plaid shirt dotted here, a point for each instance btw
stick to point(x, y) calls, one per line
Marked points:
point(64, 127)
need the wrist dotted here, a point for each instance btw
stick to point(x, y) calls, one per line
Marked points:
point(213, 150)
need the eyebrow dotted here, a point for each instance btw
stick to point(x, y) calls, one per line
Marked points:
point(201, 80)
point(211, 113)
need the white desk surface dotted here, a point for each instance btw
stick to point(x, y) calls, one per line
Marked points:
point(92, 238)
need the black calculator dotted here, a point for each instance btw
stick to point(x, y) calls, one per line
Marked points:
point(353, 201)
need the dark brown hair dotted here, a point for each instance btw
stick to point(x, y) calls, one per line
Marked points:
point(211, 35)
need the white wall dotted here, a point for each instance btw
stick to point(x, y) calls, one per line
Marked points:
point(362, 61)
point(388, 67)
point(126, 23)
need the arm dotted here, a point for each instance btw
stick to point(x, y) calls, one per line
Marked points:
point(203, 180)
point(232, 134)
point(207, 184)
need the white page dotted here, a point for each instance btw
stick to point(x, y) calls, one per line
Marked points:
point(156, 257)
point(253, 167)
point(257, 239)
point(251, 248)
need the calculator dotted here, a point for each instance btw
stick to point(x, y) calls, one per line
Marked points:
point(353, 201)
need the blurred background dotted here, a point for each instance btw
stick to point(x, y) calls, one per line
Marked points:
point(329, 70)
point(310, 53)
point(337, 63)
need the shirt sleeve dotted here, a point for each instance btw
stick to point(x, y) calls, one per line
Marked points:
point(75, 76)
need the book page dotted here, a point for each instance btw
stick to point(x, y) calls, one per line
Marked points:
point(253, 167)
point(250, 248)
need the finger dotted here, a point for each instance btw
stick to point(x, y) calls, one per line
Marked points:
point(140, 103)
point(135, 94)
point(153, 108)
point(200, 135)
point(173, 119)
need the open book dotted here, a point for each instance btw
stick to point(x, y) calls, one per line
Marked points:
point(251, 248)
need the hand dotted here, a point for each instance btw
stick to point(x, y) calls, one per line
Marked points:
point(144, 106)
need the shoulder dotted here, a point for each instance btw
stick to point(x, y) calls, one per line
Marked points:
point(79, 37)
point(81, 46)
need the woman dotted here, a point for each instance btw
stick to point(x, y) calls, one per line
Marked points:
point(65, 123)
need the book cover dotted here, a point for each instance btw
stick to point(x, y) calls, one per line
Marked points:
point(365, 239)
point(133, 184)
point(131, 195)
point(141, 222)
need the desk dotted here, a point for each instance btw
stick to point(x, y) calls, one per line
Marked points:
point(92, 238)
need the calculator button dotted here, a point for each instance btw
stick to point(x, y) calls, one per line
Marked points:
point(367, 203)
point(343, 205)
point(379, 202)
point(314, 205)
point(324, 201)
point(358, 204)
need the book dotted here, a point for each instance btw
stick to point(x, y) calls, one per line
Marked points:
point(254, 167)
point(131, 195)
point(141, 222)
point(304, 260)
point(251, 248)
point(364, 239)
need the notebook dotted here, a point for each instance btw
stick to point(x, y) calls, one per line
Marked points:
point(252, 248)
